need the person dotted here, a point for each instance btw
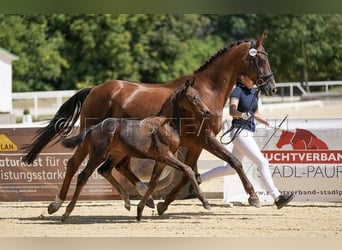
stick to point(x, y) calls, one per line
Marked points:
point(243, 107)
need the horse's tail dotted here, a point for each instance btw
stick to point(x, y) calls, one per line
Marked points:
point(61, 124)
point(72, 142)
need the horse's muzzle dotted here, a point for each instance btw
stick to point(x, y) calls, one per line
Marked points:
point(205, 113)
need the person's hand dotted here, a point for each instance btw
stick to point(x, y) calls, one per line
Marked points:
point(245, 116)
point(276, 128)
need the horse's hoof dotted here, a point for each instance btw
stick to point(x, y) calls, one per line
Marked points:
point(139, 217)
point(128, 206)
point(150, 203)
point(64, 217)
point(254, 202)
point(53, 207)
point(206, 205)
point(139, 213)
point(127, 203)
point(161, 208)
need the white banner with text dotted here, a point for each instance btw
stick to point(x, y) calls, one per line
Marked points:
point(305, 158)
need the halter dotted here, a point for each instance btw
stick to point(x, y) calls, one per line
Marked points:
point(261, 79)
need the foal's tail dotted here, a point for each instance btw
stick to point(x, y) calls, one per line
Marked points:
point(61, 124)
point(72, 142)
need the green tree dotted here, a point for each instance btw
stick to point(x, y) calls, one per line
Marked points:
point(303, 47)
point(140, 47)
point(40, 62)
point(95, 46)
point(159, 40)
point(197, 52)
point(74, 51)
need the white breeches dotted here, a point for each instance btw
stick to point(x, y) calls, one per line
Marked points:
point(245, 145)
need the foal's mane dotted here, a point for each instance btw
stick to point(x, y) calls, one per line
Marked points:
point(218, 53)
point(170, 108)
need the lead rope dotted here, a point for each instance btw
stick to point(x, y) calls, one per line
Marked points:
point(237, 132)
point(238, 129)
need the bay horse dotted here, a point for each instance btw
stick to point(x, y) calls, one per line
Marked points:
point(122, 99)
point(154, 138)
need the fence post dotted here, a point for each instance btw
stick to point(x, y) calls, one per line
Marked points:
point(35, 106)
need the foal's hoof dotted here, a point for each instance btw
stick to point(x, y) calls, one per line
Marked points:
point(161, 208)
point(150, 203)
point(254, 202)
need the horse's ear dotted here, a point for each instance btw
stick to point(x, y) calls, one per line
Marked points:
point(190, 83)
point(187, 83)
point(261, 39)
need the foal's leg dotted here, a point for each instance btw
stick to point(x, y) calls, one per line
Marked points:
point(73, 164)
point(123, 167)
point(173, 161)
point(157, 170)
point(190, 160)
point(106, 171)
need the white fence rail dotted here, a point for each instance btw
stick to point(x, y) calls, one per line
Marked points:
point(287, 92)
point(58, 95)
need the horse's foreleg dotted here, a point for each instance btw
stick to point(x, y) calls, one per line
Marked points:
point(157, 170)
point(124, 168)
point(190, 160)
point(106, 171)
point(73, 164)
point(215, 147)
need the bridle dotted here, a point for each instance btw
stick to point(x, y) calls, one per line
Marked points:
point(262, 80)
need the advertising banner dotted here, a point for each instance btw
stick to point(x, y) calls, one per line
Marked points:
point(42, 179)
point(305, 158)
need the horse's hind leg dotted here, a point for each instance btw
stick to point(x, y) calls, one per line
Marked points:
point(157, 170)
point(73, 164)
point(106, 171)
point(124, 168)
point(81, 181)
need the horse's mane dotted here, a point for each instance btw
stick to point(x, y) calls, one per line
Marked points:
point(218, 53)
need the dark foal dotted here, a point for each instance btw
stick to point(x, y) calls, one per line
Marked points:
point(154, 138)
